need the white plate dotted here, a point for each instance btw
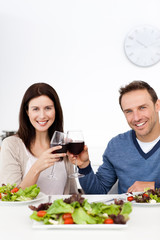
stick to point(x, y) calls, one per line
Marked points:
point(41, 225)
point(141, 204)
point(145, 204)
point(17, 203)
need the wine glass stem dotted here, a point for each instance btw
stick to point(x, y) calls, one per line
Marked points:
point(76, 168)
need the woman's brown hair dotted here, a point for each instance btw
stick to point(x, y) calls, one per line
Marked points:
point(26, 131)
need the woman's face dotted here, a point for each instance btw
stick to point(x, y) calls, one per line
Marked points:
point(41, 113)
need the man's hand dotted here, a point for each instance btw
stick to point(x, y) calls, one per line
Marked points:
point(82, 158)
point(139, 186)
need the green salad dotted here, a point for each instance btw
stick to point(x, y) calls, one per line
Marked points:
point(77, 210)
point(148, 196)
point(10, 192)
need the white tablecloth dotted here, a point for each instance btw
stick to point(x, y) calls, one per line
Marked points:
point(15, 223)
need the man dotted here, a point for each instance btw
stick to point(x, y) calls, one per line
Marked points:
point(134, 156)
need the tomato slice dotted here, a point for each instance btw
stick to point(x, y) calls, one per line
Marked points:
point(66, 215)
point(68, 221)
point(145, 195)
point(130, 198)
point(14, 190)
point(108, 221)
point(41, 213)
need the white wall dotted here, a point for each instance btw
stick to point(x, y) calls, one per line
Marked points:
point(77, 47)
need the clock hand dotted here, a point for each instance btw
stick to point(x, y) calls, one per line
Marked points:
point(142, 44)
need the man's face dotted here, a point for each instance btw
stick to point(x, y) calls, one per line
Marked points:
point(141, 114)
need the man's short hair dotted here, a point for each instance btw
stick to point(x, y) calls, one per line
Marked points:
point(138, 85)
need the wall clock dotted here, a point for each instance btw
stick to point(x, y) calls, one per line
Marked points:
point(142, 46)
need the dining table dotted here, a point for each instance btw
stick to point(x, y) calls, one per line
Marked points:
point(15, 222)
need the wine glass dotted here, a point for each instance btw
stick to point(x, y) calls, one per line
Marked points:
point(58, 139)
point(75, 146)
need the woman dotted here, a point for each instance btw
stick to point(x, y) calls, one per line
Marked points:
point(27, 158)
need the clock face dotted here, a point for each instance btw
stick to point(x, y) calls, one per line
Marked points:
point(142, 46)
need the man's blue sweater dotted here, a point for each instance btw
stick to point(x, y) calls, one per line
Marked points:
point(124, 160)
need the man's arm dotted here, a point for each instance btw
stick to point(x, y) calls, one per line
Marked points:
point(91, 183)
point(99, 183)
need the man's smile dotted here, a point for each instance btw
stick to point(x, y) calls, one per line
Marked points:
point(140, 124)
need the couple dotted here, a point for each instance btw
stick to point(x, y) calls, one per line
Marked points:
point(132, 158)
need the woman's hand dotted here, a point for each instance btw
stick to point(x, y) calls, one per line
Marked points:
point(82, 158)
point(48, 158)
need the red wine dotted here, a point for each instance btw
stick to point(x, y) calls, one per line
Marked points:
point(62, 150)
point(75, 147)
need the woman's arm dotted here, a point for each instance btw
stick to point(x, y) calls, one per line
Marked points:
point(12, 161)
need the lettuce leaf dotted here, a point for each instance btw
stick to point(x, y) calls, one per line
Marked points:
point(126, 208)
point(7, 188)
point(59, 206)
point(101, 208)
point(80, 216)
